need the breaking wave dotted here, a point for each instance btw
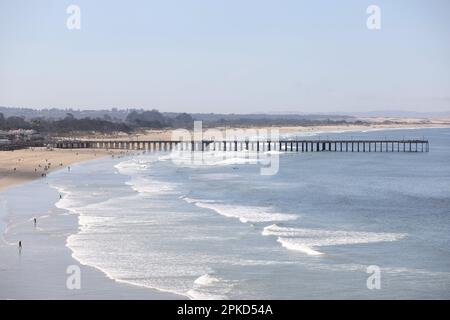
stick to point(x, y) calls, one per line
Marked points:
point(307, 240)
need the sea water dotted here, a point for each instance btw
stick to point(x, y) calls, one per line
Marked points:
point(224, 231)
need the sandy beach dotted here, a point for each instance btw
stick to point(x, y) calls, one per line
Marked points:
point(21, 166)
point(166, 134)
point(40, 272)
point(40, 269)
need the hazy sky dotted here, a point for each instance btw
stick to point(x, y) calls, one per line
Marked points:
point(226, 55)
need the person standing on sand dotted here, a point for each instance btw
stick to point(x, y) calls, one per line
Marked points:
point(20, 246)
point(35, 222)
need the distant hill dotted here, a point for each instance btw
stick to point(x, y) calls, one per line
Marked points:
point(401, 113)
point(120, 115)
point(126, 120)
point(57, 114)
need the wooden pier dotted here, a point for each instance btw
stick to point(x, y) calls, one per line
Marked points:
point(18, 146)
point(255, 146)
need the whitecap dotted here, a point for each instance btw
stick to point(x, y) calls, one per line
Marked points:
point(206, 280)
point(192, 200)
point(306, 240)
point(209, 287)
point(247, 213)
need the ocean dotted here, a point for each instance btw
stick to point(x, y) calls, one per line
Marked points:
point(314, 230)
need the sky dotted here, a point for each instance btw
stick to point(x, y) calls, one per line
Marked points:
point(226, 56)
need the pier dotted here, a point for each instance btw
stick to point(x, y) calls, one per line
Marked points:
point(21, 145)
point(251, 145)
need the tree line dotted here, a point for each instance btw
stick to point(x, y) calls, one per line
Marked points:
point(153, 119)
point(135, 120)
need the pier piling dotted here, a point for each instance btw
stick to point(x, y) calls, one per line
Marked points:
point(366, 146)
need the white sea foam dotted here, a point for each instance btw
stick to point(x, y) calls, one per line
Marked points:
point(306, 240)
point(68, 201)
point(151, 186)
point(132, 166)
point(244, 213)
point(199, 295)
point(297, 245)
point(247, 213)
point(206, 280)
point(209, 287)
point(165, 157)
point(214, 158)
point(107, 226)
point(135, 168)
point(274, 152)
point(192, 200)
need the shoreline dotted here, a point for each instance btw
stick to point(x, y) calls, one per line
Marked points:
point(108, 275)
point(22, 166)
point(166, 134)
point(344, 129)
point(40, 271)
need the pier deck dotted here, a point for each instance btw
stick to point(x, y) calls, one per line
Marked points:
point(250, 145)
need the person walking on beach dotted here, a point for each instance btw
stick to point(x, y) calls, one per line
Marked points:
point(60, 196)
point(35, 222)
point(20, 246)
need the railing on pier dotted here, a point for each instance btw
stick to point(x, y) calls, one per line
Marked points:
point(256, 146)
